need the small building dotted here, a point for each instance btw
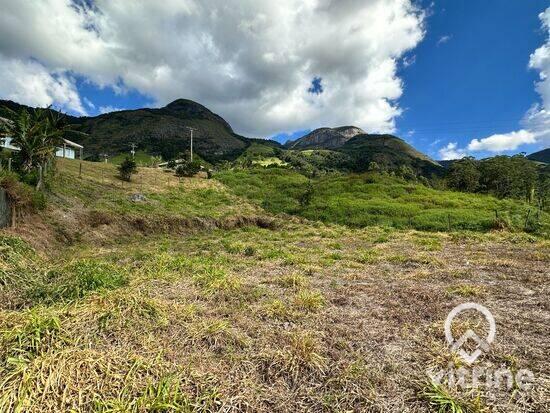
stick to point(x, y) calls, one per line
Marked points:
point(69, 149)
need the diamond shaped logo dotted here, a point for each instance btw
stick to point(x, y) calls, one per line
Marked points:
point(482, 345)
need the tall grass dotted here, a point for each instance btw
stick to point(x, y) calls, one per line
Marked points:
point(375, 199)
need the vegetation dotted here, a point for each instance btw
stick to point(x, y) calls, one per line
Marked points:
point(141, 158)
point(189, 301)
point(187, 168)
point(381, 199)
point(126, 169)
point(503, 176)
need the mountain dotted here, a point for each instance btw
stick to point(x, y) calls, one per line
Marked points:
point(160, 131)
point(325, 138)
point(361, 148)
point(389, 152)
point(541, 156)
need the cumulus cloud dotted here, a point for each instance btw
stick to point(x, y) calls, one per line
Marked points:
point(503, 142)
point(452, 151)
point(31, 83)
point(251, 61)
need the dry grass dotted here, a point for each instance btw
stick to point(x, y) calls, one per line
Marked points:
point(301, 317)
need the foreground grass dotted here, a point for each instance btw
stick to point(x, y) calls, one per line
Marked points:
point(301, 318)
point(373, 199)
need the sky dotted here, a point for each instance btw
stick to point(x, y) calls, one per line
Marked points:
point(452, 77)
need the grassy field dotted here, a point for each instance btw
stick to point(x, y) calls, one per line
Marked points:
point(374, 199)
point(141, 158)
point(292, 316)
point(99, 188)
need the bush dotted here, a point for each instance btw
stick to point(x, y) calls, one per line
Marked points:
point(19, 194)
point(188, 169)
point(126, 169)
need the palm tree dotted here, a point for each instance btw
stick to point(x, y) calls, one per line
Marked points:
point(36, 134)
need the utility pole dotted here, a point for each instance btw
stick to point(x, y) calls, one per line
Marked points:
point(191, 129)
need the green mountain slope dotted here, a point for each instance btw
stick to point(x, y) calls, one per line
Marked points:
point(540, 156)
point(160, 131)
point(389, 152)
point(360, 148)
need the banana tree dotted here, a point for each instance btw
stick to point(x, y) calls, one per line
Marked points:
point(36, 134)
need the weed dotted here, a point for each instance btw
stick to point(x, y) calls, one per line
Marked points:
point(369, 257)
point(77, 280)
point(309, 301)
point(443, 402)
point(466, 290)
point(39, 332)
point(278, 309)
point(292, 281)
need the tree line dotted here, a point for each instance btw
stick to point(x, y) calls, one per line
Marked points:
point(502, 176)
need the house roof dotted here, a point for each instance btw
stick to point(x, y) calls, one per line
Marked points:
point(73, 144)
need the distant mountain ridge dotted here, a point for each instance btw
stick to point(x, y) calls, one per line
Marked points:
point(163, 131)
point(540, 156)
point(387, 151)
point(325, 138)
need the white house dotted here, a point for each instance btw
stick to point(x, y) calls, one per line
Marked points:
point(68, 150)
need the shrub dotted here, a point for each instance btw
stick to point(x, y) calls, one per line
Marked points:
point(188, 169)
point(19, 194)
point(126, 169)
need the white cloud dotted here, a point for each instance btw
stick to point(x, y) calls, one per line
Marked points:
point(503, 142)
point(409, 61)
point(251, 61)
point(108, 109)
point(31, 83)
point(452, 151)
point(443, 40)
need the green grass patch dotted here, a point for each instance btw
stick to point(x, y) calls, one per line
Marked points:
point(374, 199)
point(77, 280)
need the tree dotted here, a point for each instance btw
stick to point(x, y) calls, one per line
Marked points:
point(464, 175)
point(305, 197)
point(36, 134)
point(187, 168)
point(406, 172)
point(126, 169)
point(509, 177)
point(374, 167)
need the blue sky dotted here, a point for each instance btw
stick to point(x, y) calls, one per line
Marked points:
point(452, 77)
point(470, 76)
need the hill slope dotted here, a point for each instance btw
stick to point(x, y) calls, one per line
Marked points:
point(361, 148)
point(160, 131)
point(188, 302)
point(389, 152)
point(540, 156)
